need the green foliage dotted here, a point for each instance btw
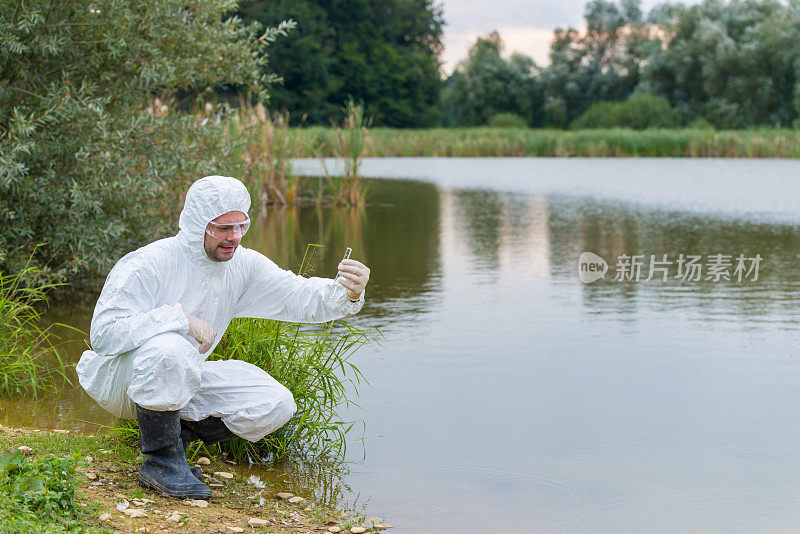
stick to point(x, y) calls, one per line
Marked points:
point(88, 158)
point(482, 142)
point(485, 84)
point(350, 146)
point(638, 111)
point(312, 362)
point(384, 53)
point(507, 120)
point(699, 123)
point(38, 495)
point(734, 63)
point(24, 346)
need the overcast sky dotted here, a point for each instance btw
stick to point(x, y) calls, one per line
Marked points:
point(525, 26)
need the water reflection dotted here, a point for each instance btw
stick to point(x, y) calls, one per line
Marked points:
point(505, 388)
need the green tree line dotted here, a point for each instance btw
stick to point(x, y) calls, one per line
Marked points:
point(384, 53)
point(730, 64)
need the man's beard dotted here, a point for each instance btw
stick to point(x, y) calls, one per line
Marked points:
point(215, 254)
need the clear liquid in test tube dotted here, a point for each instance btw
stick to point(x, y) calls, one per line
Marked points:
point(346, 256)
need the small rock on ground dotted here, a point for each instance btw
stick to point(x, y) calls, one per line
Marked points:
point(223, 474)
point(134, 512)
point(203, 461)
point(104, 517)
point(334, 529)
point(257, 522)
point(175, 517)
point(296, 500)
point(200, 503)
point(235, 529)
point(358, 530)
point(285, 495)
point(383, 526)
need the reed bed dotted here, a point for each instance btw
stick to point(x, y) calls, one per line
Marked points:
point(525, 142)
point(29, 361)
point(261, 148)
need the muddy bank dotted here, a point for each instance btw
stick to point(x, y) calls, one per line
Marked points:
point(109, 492)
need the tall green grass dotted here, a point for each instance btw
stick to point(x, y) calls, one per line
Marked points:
point(29, 361)
point(261, 149)
point(313, 363)
point(350, 145)
point(519, 142)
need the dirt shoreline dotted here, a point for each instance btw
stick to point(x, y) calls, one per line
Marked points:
point(110, 493)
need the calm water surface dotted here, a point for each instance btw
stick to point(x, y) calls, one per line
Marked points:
point(507, 395)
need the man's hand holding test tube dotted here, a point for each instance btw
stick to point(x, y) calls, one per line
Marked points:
point(353, 275)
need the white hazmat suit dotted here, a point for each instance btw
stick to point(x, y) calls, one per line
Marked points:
point(142, 352)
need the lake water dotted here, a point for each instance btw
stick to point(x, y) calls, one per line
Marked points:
point(507, 395)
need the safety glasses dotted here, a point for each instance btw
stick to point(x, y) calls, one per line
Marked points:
point(223, 230)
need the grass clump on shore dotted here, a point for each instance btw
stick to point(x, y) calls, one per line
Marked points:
point(38, 495)
point(526, 142)
point(24, 344)
point(312, 362)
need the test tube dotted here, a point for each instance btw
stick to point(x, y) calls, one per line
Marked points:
point(347, 253)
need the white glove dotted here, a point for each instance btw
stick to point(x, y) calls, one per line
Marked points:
point(353, 275)
point(202, 332)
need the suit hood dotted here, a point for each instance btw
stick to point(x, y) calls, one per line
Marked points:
point(207, 199)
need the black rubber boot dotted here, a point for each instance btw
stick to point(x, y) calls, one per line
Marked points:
point(211, 430)
point(187, 436)
point(165, 468)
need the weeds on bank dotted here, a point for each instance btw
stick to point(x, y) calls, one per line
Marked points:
point(312, 362)
point(38, 495)
point(266, 150)
point(24, 345)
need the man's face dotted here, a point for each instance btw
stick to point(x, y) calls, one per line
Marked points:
point(222, 247)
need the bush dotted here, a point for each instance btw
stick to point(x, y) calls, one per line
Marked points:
point(699, 123)
point(88, 157)
point(507, 120)
point(639, 111)
point(24, 346)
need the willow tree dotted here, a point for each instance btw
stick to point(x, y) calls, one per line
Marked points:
point(88, 156)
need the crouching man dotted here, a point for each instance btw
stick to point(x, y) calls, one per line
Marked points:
point(161, 312)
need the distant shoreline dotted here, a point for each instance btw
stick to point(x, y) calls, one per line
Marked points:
point(521, 142)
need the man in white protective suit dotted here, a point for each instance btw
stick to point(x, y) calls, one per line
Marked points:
point(163, 308)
